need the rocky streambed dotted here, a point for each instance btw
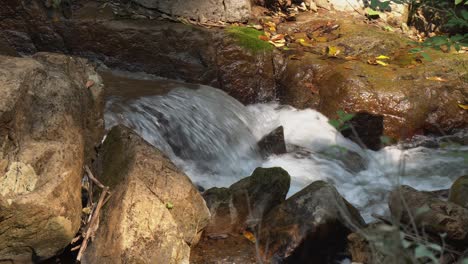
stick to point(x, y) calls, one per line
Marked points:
point(173, 140)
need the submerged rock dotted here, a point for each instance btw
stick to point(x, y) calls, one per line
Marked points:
point(459, 192)
point(154, 213)
point(50, 122)
point(244, 203)
point(309, 227)
point(432, 214)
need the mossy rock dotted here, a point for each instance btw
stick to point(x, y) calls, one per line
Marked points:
point(248, 38)
point(459, 191)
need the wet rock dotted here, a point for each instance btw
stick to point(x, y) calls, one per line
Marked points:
point(309, 227)
point(366, 130)
point(49, 124)
point(297, 80)
point(432, 214)
point(219, 10)
point(245, 75)
point(351, 160)
point(154, 213)
point(459, 192)
point(415, 105)
point(244, 203)
point(273, 143)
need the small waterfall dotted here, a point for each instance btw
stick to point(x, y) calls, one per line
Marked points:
point(204, 127)
point(214, 139)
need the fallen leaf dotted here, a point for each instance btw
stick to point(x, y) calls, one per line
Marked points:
point(381, 63)
point(463, 106)
point(169, 205)
point(312, 88)
point(277, 37)
point(304, 43)
point(257, 27)
point(277, 44)
point(436, 78)
point(333, 51)
point(351, 58)
point(372, 62)
point(321, 39)
point(89, 83)
point(382, 57)
point(263, 37)
point(249, 236)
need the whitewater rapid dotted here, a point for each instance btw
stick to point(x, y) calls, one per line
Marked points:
point(213, 138)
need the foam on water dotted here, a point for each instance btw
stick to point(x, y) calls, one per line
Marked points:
point(213, 138)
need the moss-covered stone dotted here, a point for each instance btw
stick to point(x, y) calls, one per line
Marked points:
point(248, 38)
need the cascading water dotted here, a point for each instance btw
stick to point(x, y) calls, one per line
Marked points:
point(214, 139)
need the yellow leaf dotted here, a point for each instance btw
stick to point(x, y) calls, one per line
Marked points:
point(333, 51)
point(249, 236)
point(463, 106)
point(304, 43)
point(381, 63)
point(436, 78)
point(382, 57)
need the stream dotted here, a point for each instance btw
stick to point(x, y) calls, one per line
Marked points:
point(213, 138)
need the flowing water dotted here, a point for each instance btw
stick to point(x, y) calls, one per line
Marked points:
point(213, 138)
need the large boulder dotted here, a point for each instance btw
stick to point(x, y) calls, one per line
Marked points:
point(219, 10)
point(309, 227)
point(430, 213)
point(155, 212)
point(424, 99)
point(244, 203)
point(50, 120)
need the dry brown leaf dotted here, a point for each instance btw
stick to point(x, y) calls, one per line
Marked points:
point(89, 83)
point(263, 37)
point(436, 78)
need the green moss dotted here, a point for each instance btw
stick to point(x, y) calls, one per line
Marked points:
point(248, 38)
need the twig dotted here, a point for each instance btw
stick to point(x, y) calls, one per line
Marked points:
point(91, 176)
point(93, 224)
point(382, 218)
point(94, 217)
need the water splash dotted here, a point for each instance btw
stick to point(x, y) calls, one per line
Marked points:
point(213, 138)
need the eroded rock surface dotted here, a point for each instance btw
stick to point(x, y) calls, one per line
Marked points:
point(155, 212)
point(49, 124)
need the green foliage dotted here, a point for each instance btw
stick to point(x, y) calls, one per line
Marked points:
point(248, 38)
point(340, 123)
point(56, 3)
point(456, 18)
